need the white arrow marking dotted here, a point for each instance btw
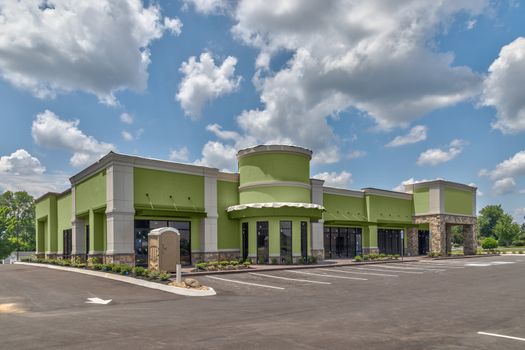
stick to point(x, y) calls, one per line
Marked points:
point(98, 301)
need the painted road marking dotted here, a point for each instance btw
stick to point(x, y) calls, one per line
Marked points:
point(425, 263)
point(326, 275)
point(408, 268)
point(395, 271)
point(502, 262)
point(288, 279)
point(362, 273)
point(478, 264)
point(98, 301)
point(411, 265)
point(491, 263)
point(247, 283)
point(501, 336)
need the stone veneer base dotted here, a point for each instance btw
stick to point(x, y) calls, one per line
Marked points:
point(119, 259)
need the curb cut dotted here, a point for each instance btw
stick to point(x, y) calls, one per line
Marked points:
point(130, 280)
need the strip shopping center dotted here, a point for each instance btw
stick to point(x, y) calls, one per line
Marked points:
point(271, 209)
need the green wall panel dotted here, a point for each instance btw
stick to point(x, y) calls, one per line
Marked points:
point(186, 191)
point(388, 209)
point(63, 219)
point(274, 167)
point(344, 208)
point(421, 201)
point(228, 231)
point(46, 213)
point(91, 193)
point(458, 201)
point(268, 194)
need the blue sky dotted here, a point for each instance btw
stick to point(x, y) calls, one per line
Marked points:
point(384, 93)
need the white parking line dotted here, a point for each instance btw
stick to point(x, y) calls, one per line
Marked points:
point(395, 271)
point(425, 263)
point(288, 279)
point(408, 268)
point(406, 265)
point(362, 273)
point(326, 275)
point(501, 336)
point(241, 282)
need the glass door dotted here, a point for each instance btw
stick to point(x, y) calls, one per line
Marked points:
point(263, 246)
point(244, 241)
point(304, 240)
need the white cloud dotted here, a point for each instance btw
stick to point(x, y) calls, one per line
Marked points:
point(20, 162)
point(471, 24)
point(129, 136)
point(435, 156)
point(514, 166)
point(208, 7)
point(504, 186)
point(126, 118)
point(356, 154)
point(222, 134)
point(417, 133)
point(503, 88)
point(339, 62)
point(20, 171)
point(174, 25)
point(218, 155)
point(99, 47)
point(411, 181)
point(334, 179)
point(203, 82)
point(50, 131)
point(180, 155)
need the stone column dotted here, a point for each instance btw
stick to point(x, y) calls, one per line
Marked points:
point(209, 240)
point(317, 228)
point(412, 241)
point(438, 234)
point(470, 244)
point(120, 215)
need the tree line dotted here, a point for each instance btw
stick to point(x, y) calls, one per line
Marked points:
point(17, 222)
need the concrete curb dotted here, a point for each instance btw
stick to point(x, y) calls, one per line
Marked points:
point(297, 267)
point(130, 280)
point(465, 256)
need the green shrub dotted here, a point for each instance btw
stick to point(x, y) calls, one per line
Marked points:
point(518, 243)
point(97, 267)
point(164, 276)
point(247, 262)
point(489, 243)
point(125, 269)
point(358, 258)
point(312, 259)
point(288, 260)
point(138, 271)
point(115, 268)
point(153, 274)
point(300, 260)
point(273, 261)
point(234, 262)
point(396, 256)
point(224, 263)
point(520, 252)
point(201, 266)
point(261, 260)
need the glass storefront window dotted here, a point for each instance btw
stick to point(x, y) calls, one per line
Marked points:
point(286, 241)
point(263, 246)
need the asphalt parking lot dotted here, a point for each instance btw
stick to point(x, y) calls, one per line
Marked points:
point(447, 304)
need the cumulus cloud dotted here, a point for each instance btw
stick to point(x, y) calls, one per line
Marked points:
point(126, 118)
point(218, 155)
point(129, 136)
point(20, 171)
point(180, 155)
point(512, 167)
point(99, 47)
point(50, 131)
point(338, 62)
point(417, 134)
point(503, 88)
point(223, 134)
point(20, 162)
point(504, 186)
point(208, 7)
point(435, 156)
point(204, 81)
point(335, 179)
point(478, 191)
point(411, 181)
point(519, 215)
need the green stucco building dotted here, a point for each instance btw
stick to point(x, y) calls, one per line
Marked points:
point(271, 209)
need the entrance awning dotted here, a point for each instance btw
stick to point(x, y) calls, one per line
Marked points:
point(312, 211)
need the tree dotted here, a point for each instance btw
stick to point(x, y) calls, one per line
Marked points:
point(487, 219)
point(506, 230)
point(17, 220)
point(489, 243)
point(457, 235)
point(6, 246)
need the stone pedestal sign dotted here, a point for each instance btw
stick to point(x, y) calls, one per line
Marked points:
point(164, 249)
